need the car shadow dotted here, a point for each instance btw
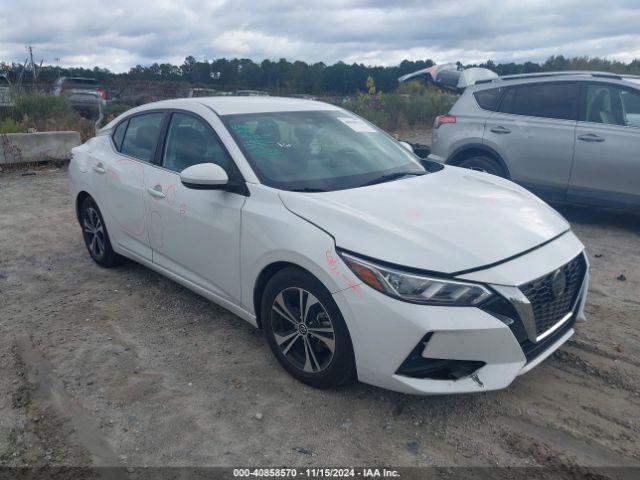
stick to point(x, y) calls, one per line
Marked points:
point(624, 219)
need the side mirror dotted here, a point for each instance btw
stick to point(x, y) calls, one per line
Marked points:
point(406, 145)
point(204, 176)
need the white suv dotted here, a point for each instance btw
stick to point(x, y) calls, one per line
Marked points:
point(312, 224)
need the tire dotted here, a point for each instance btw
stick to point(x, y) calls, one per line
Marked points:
point(96, 238)
point(303, 348)
point(483, 164)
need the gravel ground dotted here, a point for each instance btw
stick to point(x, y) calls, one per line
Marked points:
point(124, 367)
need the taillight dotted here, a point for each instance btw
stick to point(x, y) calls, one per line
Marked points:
point(103, 93)
point(444, 119)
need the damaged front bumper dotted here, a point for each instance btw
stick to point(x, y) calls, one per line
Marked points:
point(432, 350)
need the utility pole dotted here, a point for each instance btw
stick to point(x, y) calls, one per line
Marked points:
point(34, 71)
point(33, 67)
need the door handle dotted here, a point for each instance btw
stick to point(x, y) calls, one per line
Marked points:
point(99, 168)
point(156, 191)
point(590, 137)
point(500, 129)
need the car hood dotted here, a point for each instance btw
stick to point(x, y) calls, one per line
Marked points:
point(449, 221)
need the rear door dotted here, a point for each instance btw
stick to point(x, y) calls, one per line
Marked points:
point(606, 166)
point(533, 130)
point(121, 175)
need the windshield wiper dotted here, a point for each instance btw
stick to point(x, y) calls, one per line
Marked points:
point(308, 190)
point(391, 176)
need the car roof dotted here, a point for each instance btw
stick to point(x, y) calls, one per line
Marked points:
point(540, 77)
point(229, 105)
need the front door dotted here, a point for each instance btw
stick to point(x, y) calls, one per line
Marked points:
point(606, 167)
point(194, 234)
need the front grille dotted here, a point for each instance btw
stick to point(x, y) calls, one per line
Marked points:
point(502, 309)
point(548, 308)
point(533, 350)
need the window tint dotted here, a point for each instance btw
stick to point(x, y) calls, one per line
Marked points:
point(631, 107)
point(547, 100)
point(82, 81)
point(141, 136)
point(118, 134)
point(612, 105)
point(506, 105)
point(488, 99)
point(190, 142)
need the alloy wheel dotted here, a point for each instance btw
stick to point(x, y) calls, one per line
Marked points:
point(93, 232)
point(303, 330)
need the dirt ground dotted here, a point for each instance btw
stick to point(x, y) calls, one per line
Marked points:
point(124, 367)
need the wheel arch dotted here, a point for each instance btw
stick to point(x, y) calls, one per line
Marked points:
point(80, 198)
point(266, 274)
point(468, 151)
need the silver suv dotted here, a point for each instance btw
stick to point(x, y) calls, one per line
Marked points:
point(566, 136)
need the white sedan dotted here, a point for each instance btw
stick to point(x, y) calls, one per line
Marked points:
point(357, 260)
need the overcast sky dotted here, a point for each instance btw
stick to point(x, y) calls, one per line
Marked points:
point(118, 34)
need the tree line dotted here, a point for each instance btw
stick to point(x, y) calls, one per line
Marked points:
point(287, 77)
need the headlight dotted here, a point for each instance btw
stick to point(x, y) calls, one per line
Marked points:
point(416, 288)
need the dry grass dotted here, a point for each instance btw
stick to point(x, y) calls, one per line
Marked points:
point(37, 112)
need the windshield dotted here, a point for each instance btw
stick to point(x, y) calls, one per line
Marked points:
point(319, 150)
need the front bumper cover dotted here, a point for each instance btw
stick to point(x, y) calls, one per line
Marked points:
point(385, 332)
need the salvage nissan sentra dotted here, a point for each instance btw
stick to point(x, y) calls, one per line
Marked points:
point(356, 260)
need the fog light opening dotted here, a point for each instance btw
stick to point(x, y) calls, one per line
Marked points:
point(417, 366)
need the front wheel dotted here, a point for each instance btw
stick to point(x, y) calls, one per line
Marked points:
point(483, 164)
point(306, 331)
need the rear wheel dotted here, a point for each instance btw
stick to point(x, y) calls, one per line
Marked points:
point(306, 331)
point(95, 235)
point(483, 164)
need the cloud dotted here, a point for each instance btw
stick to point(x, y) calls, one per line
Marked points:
point(122, 33)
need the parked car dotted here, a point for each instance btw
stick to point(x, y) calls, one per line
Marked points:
point(567, 136)
point(251, 93)
point(205, 92)
point(81, 93)
point(6, 95)
point(354, 258)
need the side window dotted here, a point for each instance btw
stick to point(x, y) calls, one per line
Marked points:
point(612, 105)
point(141, 136)
point(190, 142)
point(488, 99)
point(506, 105)
point(118, 134)
point(546, 100)
point(631, 107)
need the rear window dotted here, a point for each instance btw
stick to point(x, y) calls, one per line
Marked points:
point(546, 100)
point(118, 134)
point(488, 99)
point(142, 135)
point(82, 81)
